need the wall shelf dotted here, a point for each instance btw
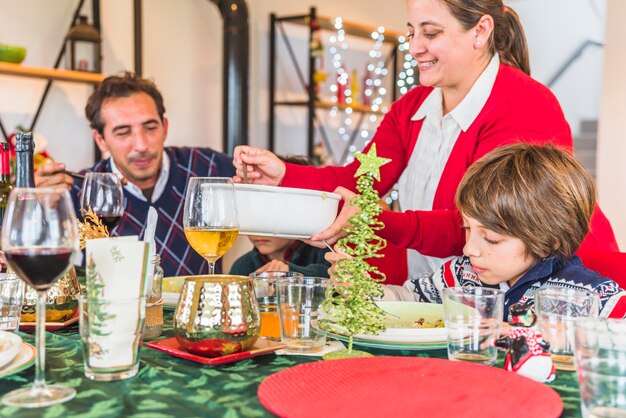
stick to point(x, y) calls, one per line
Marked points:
point(351, 28)
point(20, 70)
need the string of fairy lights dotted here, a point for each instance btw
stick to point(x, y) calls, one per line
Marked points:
point(344, 90)
point(373, 90)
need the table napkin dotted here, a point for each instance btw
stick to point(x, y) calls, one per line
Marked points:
point(117, 268)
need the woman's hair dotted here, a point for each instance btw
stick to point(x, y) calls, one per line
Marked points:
point(508, 38)
point(538, 193)
point(120, 86)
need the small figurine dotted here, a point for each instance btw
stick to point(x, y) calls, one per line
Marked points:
point(527, 352)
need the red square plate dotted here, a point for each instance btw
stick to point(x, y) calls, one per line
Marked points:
point(171, 346)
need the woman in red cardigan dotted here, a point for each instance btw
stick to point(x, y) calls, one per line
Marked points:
point(475, 95)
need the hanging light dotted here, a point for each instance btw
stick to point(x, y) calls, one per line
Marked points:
point(83, 42)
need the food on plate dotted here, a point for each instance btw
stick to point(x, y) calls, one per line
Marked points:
point(420, 323)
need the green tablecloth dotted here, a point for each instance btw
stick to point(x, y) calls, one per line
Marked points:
point(167, 386)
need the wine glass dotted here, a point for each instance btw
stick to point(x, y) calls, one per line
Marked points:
point(39, 238)
point(210, 217)
point(103, 193)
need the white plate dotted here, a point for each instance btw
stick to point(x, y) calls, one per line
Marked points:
point(284, 212)
point(399, 330)
point(170, 300)
point(9, 346)
point(24, 359)
point(171, 290)
point(388, 346)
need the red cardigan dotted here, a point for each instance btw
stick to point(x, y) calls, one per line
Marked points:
point(518, 109)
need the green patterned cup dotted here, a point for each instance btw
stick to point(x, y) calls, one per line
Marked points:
point(111, 331)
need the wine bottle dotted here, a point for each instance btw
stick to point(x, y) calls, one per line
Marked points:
point(24, 168)
point(5, 178)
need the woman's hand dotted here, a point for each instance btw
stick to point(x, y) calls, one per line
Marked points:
point(333, 258)
point(273, 265)
point(335, 231)
point(263, 167)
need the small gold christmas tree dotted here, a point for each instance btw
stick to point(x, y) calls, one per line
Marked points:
point(90, 228)
point(350, 302)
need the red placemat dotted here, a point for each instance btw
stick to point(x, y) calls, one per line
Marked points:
point(405, 386)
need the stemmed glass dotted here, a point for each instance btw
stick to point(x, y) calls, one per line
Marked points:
point(103, 193)
point(210, 217)
point(39, 238)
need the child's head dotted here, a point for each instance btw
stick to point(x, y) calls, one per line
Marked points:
point(272, 247)
point(540, 195)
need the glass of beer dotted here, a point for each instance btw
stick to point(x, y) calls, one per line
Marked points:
point(210, 217)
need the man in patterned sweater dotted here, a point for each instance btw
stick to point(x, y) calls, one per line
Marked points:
point(126, 114)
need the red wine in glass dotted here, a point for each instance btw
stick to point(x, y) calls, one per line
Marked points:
point(103, 194)
point(40, 268)
point(110, 221)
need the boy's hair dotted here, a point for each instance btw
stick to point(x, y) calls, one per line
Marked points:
point(296, 159)
point(539, 194)
point(120, 86)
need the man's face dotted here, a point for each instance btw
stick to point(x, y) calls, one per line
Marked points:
point(134, 135)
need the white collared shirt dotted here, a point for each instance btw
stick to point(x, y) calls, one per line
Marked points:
point(159, 187)
point(420, 179)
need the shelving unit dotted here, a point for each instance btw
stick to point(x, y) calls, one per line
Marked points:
point(54, 74)
point(312, 103)
point(19, 70)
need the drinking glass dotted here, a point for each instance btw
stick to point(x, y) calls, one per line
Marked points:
point(103, 193)
point(265, 290)
point(299, 305)
point(600, 358)
point(473, 317)
point(558, 308)
point(39, 238)
point(210, 217)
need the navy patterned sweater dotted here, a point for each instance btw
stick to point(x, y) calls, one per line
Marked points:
point(177, 257)
point(550, 272)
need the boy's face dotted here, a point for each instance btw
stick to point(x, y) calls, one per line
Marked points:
point(496, 258)
point(271, 247)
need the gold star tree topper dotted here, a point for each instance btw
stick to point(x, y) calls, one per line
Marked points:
point(370, 163)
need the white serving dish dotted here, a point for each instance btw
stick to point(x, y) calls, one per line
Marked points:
point(284, 212)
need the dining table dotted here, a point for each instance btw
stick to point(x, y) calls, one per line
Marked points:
point(167, 386)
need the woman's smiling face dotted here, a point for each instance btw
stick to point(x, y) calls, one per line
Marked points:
point(448, 55)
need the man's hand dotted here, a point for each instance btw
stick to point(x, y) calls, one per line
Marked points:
point(51, 175)
point(263, 167)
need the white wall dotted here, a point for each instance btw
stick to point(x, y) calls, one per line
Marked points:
point(183, 53)
point(612, 129)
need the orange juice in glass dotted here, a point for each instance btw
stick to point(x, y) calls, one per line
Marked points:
point(265, 289)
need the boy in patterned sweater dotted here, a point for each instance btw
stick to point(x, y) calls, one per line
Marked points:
point(126, 114)
point(526, 209)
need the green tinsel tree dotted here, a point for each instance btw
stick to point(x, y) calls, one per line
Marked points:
point(350, 302)
point(95, 286)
